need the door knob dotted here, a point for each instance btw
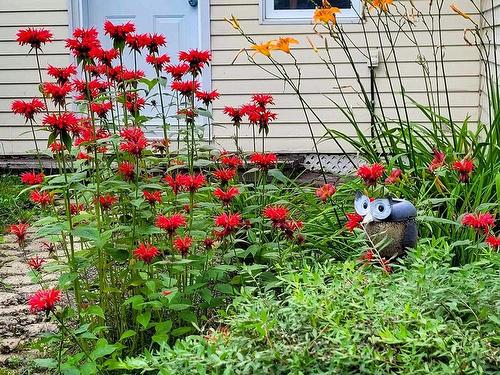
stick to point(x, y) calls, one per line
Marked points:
point(193, 3)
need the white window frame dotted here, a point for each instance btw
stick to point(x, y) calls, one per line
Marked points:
point(269, 15)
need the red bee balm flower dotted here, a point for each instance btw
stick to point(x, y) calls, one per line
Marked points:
point(36, 263)
point(19, 230)
point(44, 300)
point(368, 256)
point(101, 109)
point(152, 197)
point(196, 59)
point(83, 42)
point(231, 161)
point(75, 209)
point(193, 182)
point(43, 198)
point(57, 92)
point(104, 56)
point(118, 32)
point(158, 62)
point(207, 97)
point(262, 100)
point(493, 242)
point(31, 178)
point(154, 41)
point(136, 42)
point(171, 223)
point(146, 252)
point(260, 116)
point(229, 222)
point(27, 109)
point(325, 192)
point(263, 161)
point(371, 173)
point(66, 121)
point(277, 214)
point(236, 114)
point(62, 75)
point(208, 242)
point(34, 37)
point(177, 71)
point(464, 168)
point(224, 174)
point(134, 141)
point(480, 221)
point(185, 88)
point(134, 102)
point(353, 221)
point(182, 244)
point(56, 147)
point(226, 196)
point(394, 177)
point(107, 201)
point(127, 170)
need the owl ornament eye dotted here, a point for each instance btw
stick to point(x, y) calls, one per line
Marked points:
point(381, 209)
point(361, 204)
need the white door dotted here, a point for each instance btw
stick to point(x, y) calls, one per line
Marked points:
point(185, 24)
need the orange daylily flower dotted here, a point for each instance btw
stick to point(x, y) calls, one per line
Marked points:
point(264, 48)
point(325, 15)
point(383, 5)
point(283, 44)
point(459, 11)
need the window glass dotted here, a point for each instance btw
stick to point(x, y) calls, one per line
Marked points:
point(308, 4)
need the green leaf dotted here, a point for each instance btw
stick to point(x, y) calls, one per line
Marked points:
point(144, 318)
point(179, 306)
point(277, 174)
point(181, 331)
point(45, 362)
point(102, 349)
point(86, 232)
point(52, 138)
point(127, 334)
point(163, 327)
point(89, 368)
point(95, 310)
point(66, 140)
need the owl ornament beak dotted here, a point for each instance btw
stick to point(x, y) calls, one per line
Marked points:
point(368, 218)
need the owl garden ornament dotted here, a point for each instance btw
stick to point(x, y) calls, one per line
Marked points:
point(389, 223)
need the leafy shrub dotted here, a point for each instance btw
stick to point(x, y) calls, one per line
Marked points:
point(343, 318)
point(12, 206)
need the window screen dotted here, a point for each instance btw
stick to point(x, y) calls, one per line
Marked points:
point(308, 4)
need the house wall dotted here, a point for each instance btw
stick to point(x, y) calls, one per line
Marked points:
point(236, 81)
point(18, 70)
point(491, 26)
point(290, 134)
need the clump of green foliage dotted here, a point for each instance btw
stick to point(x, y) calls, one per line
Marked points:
point(426, 317)
point(13, 207)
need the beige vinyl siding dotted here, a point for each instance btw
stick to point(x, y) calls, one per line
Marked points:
point(491, 11)
point(290, 134)
point(236, 82)
point(18, 70)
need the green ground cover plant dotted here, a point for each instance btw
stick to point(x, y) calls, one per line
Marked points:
point(425, 318)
